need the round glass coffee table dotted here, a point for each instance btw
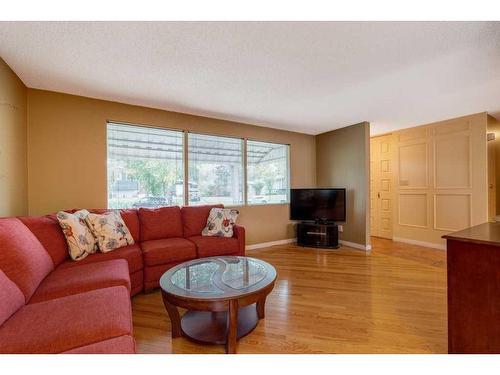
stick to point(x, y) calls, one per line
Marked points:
point(225, 298)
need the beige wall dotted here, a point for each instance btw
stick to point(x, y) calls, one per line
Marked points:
point(342, 160)
point(66, 163)
point(67, 155)
point(441, 178)
point(13, 138)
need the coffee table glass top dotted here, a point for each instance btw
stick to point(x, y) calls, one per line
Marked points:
point(217, 276)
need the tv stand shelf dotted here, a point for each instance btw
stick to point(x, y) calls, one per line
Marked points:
point(311, 234)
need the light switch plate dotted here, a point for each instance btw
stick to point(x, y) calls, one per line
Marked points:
point(341, 228)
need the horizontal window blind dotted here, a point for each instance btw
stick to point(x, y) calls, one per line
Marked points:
point(215, 169)
point(145, 166)
point(267, 173)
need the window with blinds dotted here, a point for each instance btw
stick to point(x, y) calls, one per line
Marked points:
point(145, 166)
point(267, 173)
point(215, 167)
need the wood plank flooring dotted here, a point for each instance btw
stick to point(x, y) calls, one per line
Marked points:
point(391, 300)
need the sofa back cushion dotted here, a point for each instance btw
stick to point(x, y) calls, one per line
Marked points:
point(131, 220)
point(11, 297)
point(48, 231)
point(194, 218)
point(22, 257)
point(129, 217)
point(158, 223)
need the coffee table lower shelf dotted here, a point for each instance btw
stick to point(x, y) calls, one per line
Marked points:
point(209, 327)
point(230, 311)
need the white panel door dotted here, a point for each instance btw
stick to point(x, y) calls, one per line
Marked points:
point(381, 194)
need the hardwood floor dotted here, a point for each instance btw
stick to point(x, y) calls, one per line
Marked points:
point(391, 300)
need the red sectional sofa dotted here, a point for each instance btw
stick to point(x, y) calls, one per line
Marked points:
point(51, 304)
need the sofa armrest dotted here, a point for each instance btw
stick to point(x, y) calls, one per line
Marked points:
point(239, 234)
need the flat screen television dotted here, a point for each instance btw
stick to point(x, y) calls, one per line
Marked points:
point(317, 204)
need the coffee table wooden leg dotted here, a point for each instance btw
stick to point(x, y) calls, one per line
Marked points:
point(175, 319)
point(261, 306)
point(232, 327)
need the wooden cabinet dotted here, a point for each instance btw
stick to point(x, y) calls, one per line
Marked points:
point(473, 262)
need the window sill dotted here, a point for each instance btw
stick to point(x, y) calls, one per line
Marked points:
point(267, 204)
point(255, 205)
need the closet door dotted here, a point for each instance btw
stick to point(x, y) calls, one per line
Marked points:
point(381, 194)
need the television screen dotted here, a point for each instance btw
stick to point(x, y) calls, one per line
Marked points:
point(317, 204)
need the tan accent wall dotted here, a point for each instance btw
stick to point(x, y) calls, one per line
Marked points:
point(13, 138)
point(441, 178)
point(342, 160)
point(67, 155)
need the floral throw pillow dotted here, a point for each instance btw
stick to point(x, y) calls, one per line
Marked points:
point(81, 241)
point(110, 230)
point(220, 222)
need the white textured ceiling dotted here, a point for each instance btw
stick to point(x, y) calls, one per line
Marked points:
point(309, 77)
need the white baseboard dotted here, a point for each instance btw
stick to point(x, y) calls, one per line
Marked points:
point(420, 243)
point(272, 243)
point(293, 240)
point(355, 245)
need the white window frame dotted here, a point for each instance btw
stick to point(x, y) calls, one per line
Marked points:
point(243, 165)
point(111, 122)
point(288, 173)
point(185, 161)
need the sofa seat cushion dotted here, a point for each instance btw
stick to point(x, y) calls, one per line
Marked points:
point(23, 259)
point(167, 250)
point(11, 297)
point(194, 218)
point(73, 280)
point(49, 233)
point(213, 246)
point(118, 345)
point(132, 254)
point(70, 322)
point(152, 274)
point(158, 223)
